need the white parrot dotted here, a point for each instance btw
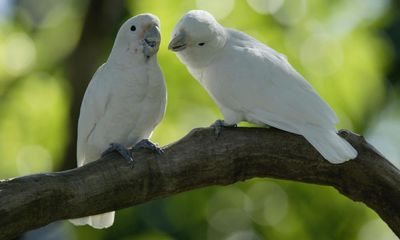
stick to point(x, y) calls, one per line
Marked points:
point(251, 82)
point(124, 101)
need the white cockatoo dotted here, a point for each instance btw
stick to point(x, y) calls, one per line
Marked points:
point(124, 101)
point(251, 82)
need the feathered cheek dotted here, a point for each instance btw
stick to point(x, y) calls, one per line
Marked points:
point(135, 48)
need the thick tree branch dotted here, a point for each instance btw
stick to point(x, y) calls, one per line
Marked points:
point(197, 160)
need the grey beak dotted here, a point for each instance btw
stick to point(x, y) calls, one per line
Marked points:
point(178, 43)
point(152, 39)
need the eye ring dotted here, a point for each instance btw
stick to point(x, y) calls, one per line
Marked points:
point(133, 28)
point(201, 44)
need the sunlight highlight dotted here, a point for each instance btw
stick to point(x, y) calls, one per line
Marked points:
point(33, 159)
point(265, 6)
point(18, 54)
point(220, 9)
point(269, 203)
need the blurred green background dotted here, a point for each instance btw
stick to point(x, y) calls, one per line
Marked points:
point(348, 50)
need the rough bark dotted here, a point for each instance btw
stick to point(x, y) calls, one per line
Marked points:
point(197, 160)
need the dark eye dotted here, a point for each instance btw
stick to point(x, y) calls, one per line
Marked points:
point(201, 44)
point(133, 28)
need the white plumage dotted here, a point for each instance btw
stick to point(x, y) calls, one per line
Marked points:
point(125, 99)
point(251, 82)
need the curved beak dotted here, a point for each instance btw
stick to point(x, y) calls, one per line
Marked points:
point(178, 43)
point(151, 41)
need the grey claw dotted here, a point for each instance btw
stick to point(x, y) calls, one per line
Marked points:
point(146, 144)
point(123, 151)
point(219, 125)
point(131, 164)
point(159, 150)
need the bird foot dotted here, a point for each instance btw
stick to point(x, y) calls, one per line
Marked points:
point(146, 144)
point(219, 125)
point(123, 151)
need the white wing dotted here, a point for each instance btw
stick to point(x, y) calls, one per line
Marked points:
point(264, 83)
point(255, 81)
point(92, 109)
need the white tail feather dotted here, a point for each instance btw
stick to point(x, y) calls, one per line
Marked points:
point(330, 145)
point(98, 221)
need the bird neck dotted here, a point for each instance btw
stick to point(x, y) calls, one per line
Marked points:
point(126, 58)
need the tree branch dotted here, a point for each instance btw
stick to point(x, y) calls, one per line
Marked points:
point(197, 160)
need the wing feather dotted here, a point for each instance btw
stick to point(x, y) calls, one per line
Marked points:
point(92, 109)
point(262, 79)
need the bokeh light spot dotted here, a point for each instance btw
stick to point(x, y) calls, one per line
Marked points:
point(244, 235)
point(220, 9)
point(321, 56)
point(225, 212)
point(230, 220)
point(265, 6)
point(384, 133)
point(18, 54)
point(375, 229)
point(269, 203)
point(33, 159)
point(228, 198)
point(291, 12)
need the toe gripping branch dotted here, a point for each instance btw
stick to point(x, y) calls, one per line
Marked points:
point(122, 150)
point(146, 144)
point(127, 154)
point(219, 125)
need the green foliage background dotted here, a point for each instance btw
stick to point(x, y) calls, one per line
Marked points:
point(343, 48)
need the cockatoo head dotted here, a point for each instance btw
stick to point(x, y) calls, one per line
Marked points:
point(138, 36)
point(197, 37)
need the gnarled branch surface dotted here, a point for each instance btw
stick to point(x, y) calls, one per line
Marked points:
point(197, 160)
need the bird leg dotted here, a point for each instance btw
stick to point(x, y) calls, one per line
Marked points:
point(219, 125)
point(125, 153)
point(146, 144)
